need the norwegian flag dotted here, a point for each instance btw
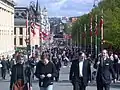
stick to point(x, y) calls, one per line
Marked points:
point(34, 26)
point(96, 26)
point(83, 35)
point(91, 19)
point(44, 36)
point(33, 29)
point(101, 24)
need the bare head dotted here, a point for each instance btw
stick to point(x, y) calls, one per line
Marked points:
point(105, 53)
point(45, 57)
point(82, 56)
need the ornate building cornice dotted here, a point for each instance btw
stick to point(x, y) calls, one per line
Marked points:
point(9, 2)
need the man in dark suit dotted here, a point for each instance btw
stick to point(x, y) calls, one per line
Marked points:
point(20, 75)
point(104, 68)
point(80, 72)
point(4, 67)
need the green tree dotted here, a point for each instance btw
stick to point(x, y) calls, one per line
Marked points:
point(111, 14)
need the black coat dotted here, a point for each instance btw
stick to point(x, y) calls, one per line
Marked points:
point(20, 71)
point(45, 69)
point(104, 71)
point(74, 72)
point(4, 65)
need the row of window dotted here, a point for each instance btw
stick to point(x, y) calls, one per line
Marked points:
point(20, 41)
point(8, 21)
point(6, 32)
point(21, 31)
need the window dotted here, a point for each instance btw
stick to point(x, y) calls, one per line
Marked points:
point(14, 41)
point(21, 41)
point(11, 32)
point(21, 30)
point(14, 30)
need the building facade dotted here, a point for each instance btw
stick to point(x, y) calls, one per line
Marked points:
point(40, 27)
point(20, 37)
point(6, 27)
point(20, 31)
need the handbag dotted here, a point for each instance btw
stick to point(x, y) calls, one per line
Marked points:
point(19, 85)
point(46, 82)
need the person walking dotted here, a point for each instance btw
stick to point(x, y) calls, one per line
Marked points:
point(20, 76)
point(80, 72)
point(104, 68)
point(45, 72)
point(4, 67)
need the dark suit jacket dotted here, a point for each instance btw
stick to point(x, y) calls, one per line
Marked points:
point(45, 69)
point(74, 72)
point(4, 64)
point(20, 70)
point(104, 71)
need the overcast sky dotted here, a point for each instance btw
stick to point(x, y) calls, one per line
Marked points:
point(62, 7)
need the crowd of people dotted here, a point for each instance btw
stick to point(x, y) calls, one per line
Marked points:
point(47, 68)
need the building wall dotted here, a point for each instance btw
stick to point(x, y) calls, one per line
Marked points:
point(6, 28)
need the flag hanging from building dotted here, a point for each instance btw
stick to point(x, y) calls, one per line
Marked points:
point(44, 35)
point(34, 27)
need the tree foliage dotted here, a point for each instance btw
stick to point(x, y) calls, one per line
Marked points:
point(111, 16)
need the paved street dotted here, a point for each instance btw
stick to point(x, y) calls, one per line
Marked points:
point(63, 84)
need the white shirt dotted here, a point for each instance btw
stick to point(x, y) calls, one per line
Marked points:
point(81, 68)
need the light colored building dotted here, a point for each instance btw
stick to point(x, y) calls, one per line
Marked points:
point(6, 27)
point(20, 34)
point(20, 29)
point(20, 37)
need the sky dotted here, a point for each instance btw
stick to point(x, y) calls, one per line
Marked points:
point(62, 7)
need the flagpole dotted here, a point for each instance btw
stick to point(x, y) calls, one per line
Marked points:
point(77, 37)
point(85, 36)
point(80, 37)
point(96, 37)
point(102, 30)
point(91, 38)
